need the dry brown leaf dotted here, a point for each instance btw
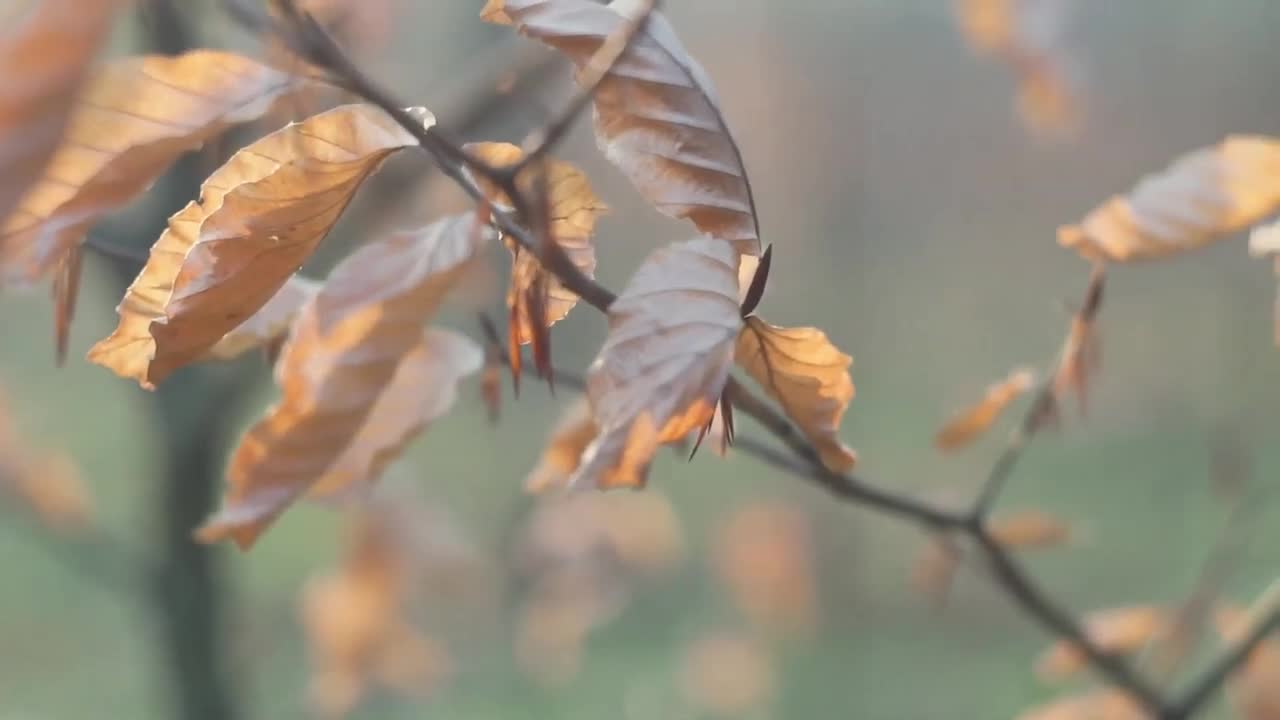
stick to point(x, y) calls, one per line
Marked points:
point(356, 621)
point(46, 51)
point(1265, 241)
point(1025, 35)
point(1029, 530)
point(728, 674)
point(66, 288)
point(271, 321)
point(1254, 688)
point(1081, 354)
point(358, 377)
point(969, 424)
point(1115, 630)
point(564, 449)
point(1093, 705)
point(258, 218)
point(657, 116)
point(134, 118)
point(573, 209)
point(1204, 196)
point(665, 360)
point(764, 555)
point(808, 376)
point(47, 483)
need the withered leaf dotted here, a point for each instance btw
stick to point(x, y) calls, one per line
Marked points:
point(1107, 704)
point(665, 361)
point(1254, 688)
point(808, 376)
point(358, 377)
point(1081, 353)
point(271, 321)
point(1204, 196)
point(66, 288)
point(1115, 630)
point(657, 116)
point(1029, 530)
point(258, 218)
point(46, 53)
point(134, 118)
point(573, 209)
point(575, 431)
point(969, 424)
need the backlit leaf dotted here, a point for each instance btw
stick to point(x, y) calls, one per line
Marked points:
point(1115, 630)
point(665, 360)
point(358, 377)
point(258, 218)
point(808, 376)
point(969, 424)
point(132, 120)
point(271, 321)
point(573, 210)
point(657, 116)
point(1029, 530)
point(46, 49)
point(1203, 197)
point(563, 452)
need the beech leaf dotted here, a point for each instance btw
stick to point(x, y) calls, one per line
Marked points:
point(665, 361)
point(808, 376)
point(970, 424)
point(258, 219)
point(657, 116)
point(46, 53)
point(133, 119)
point(1203, 197)
point(573, 209)
point(271, 321)
point(1115, 630)
point(1029, 530)
point(358, 377)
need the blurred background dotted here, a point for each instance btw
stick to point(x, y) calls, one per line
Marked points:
point(912, 200)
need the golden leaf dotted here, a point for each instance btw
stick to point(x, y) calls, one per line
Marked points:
point(357, 624)
point(1115, 630)
point(573, 209)
point(46, 53)
point(1029, 529)
point(358, 377)
point(969, 424)
point(1204, 196)
point(134, 118)
point(808, 376)
point(1254, 688)
point(728, 674)
point(764, 554)
point(271, 321)
point(258, 218)
point(665, 361)
point(564, 449)
point(1093, 705)
point(657, 116)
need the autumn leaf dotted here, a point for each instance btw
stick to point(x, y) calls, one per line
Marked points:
point(808, 376)
point(572, 435)
point(133, 119)
point(1254, 688)
point(728, 674)
point(47, 483)
point(764, 554)
point(1081, 353)
point(258, 219)
point(573, 209)
point(657, 116)
point(665, 361)
point(66, 288)
point(969, 424)
point(46, 53)
point(271, 321)
point(359, 378)
point(1107, 704)
point(1115, 630)
point(1203, 197)
point(1029, 530)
